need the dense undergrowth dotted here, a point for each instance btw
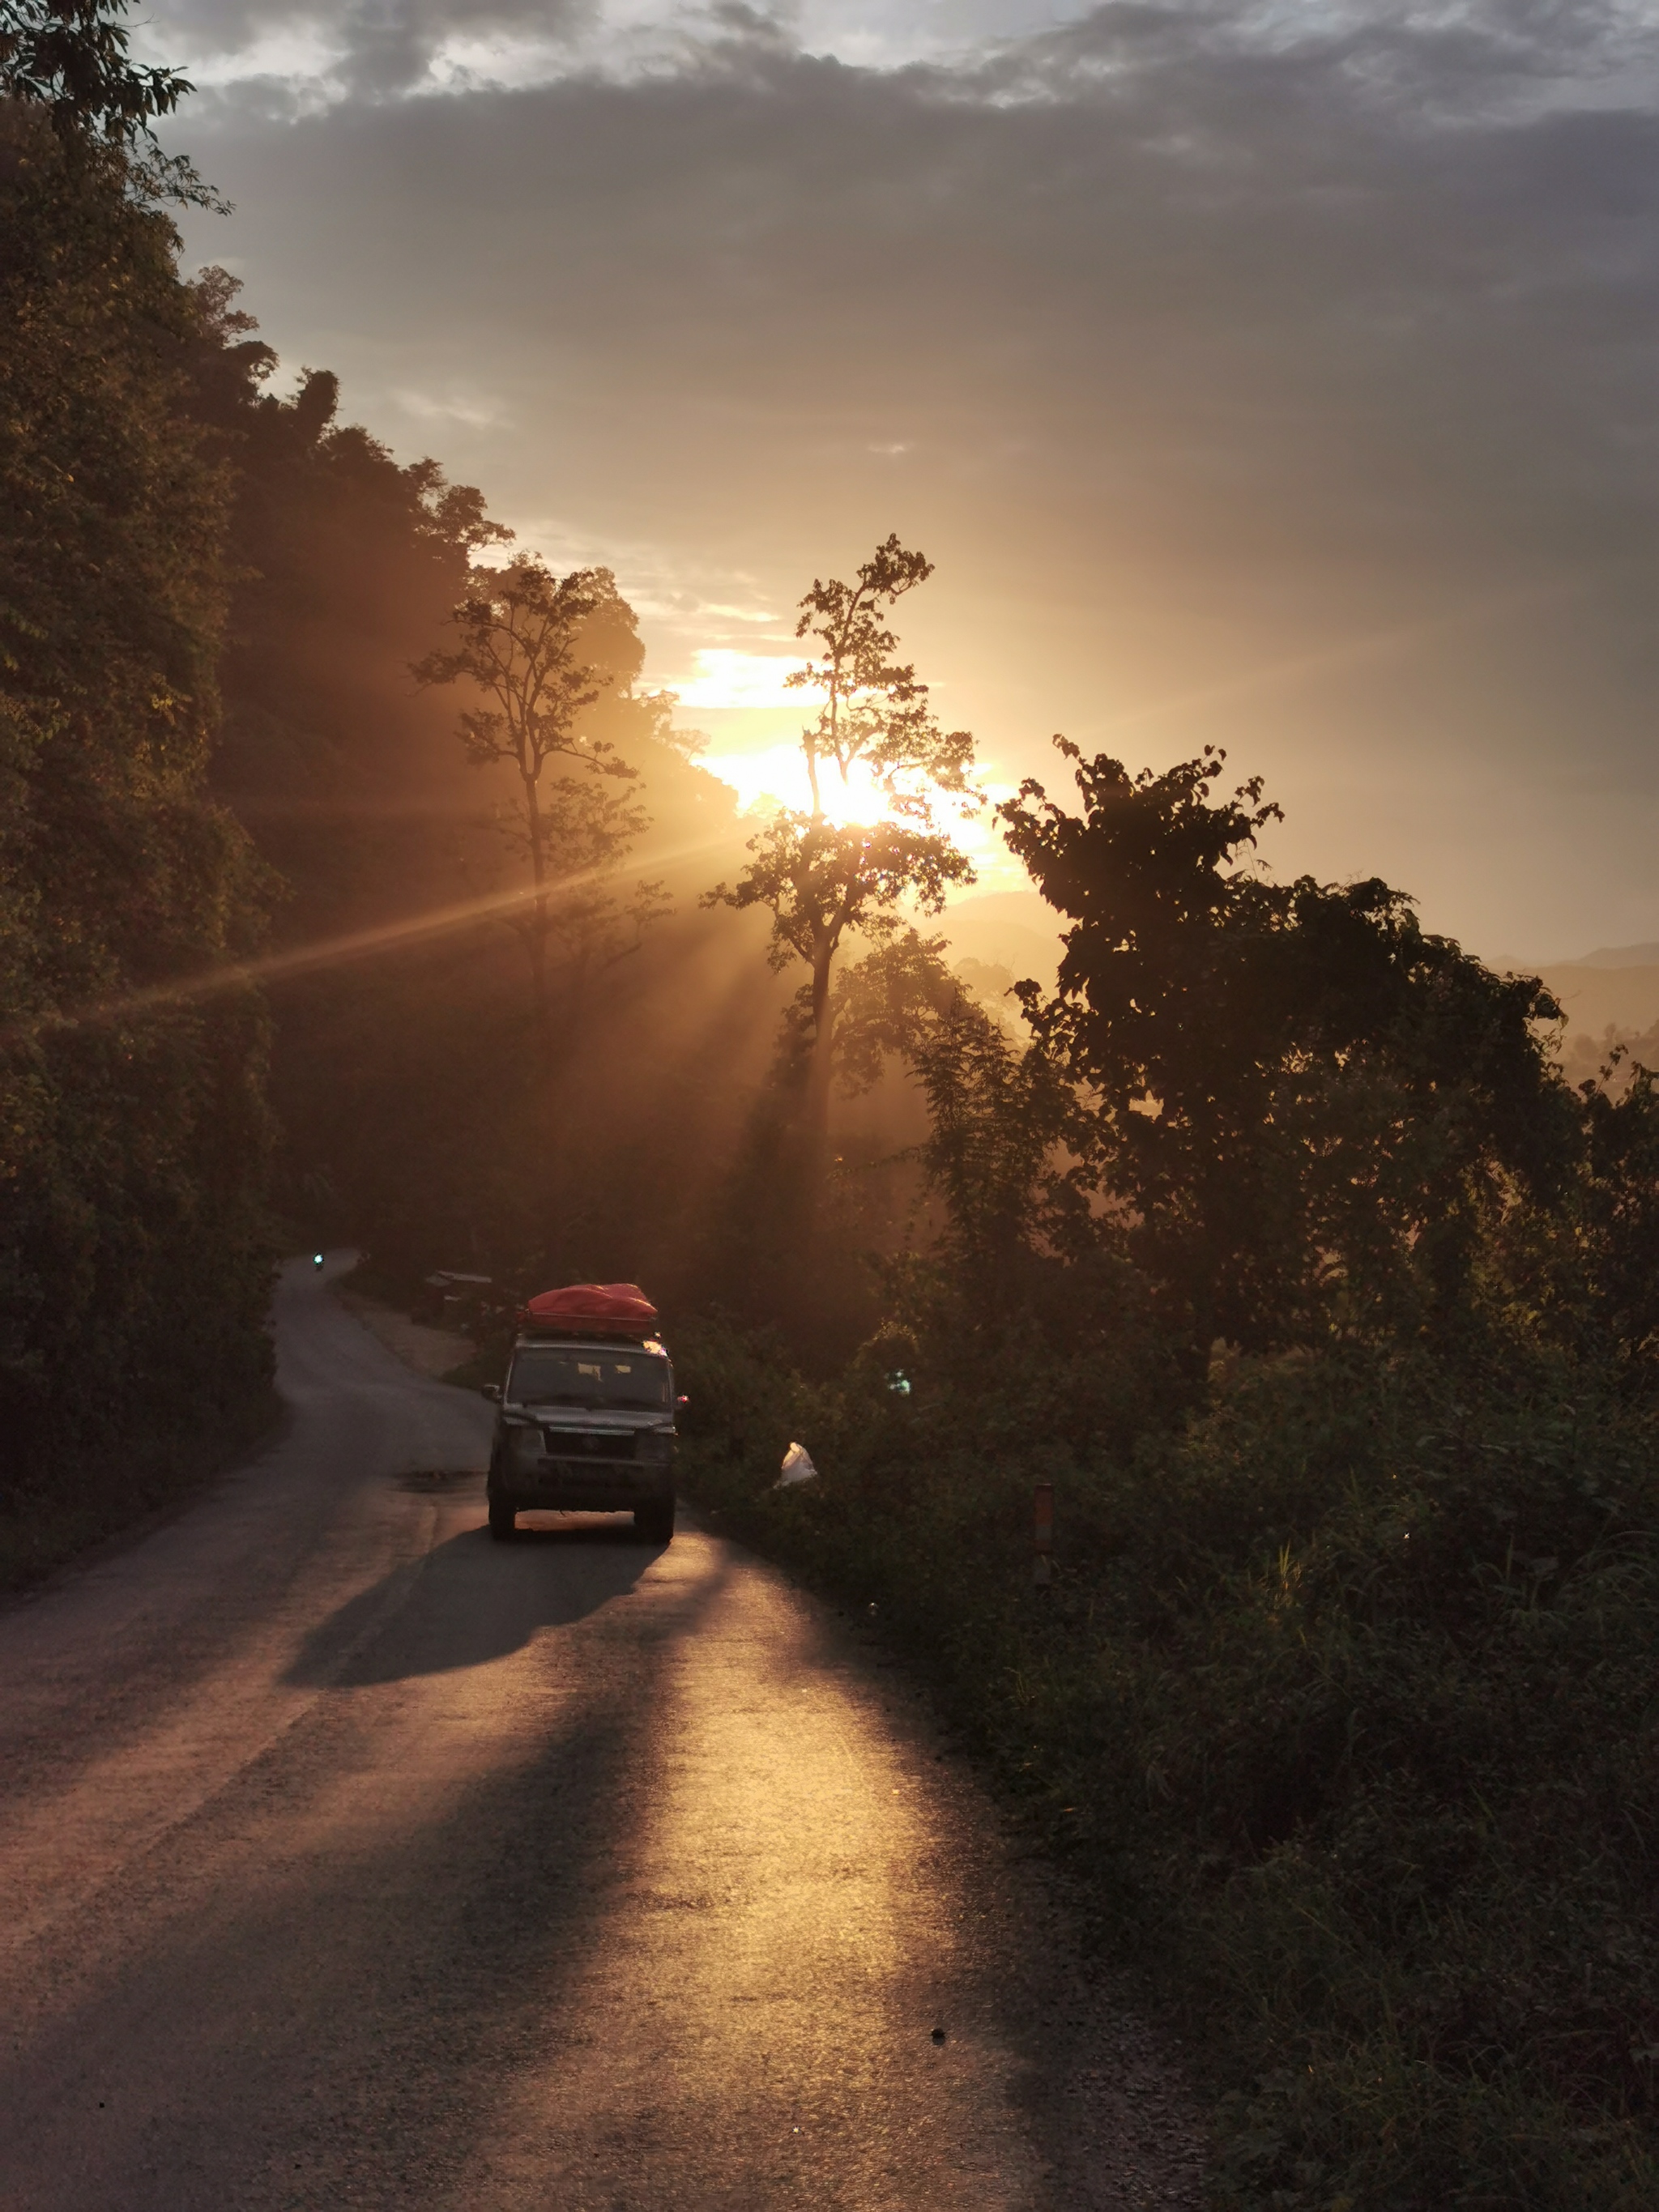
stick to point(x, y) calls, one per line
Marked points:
point(83, 1495)
point(1343, 1696)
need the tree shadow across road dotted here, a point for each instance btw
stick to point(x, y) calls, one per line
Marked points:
point(470, 1600)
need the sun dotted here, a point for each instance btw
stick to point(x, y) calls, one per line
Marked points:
point(754, 721)
point(775, 775)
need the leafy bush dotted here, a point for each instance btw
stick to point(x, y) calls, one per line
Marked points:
point(1344, 1696)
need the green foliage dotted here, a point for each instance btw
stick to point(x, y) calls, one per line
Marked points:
point(1311, 1111)
point(71, 58)
point(522, 635)
point(423, 1117)
point(419, 1116)
point(884, 1005)
point(1343, 1692)
point(68, 59)
point(345, 565)
point(1616, 1217)
point(819, 880)
point(520, 630)
point(133, 1268)
point(1329, 1313)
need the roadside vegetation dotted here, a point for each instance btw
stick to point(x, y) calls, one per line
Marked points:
point(134, 1260)
point(1342, 1702)
point(220, 783)
point(1282, 1252)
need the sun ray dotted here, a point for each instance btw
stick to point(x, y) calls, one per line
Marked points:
point(327, 951)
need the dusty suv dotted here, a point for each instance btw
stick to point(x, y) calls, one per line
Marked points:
point(585, 1426)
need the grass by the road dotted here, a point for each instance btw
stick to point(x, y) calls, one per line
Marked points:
point(1344, 1700)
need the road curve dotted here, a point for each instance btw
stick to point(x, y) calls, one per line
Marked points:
point(348, 1859)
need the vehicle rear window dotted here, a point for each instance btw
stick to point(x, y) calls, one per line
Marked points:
point(558, 1374)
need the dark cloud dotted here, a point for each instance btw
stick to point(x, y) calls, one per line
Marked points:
point(385, 47)
point(1196, 342)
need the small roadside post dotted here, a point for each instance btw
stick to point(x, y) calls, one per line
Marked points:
point(1042, 1566)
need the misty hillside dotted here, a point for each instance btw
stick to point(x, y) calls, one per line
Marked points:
point(1595, 997)
point(1615, 987)
point(1004, 929)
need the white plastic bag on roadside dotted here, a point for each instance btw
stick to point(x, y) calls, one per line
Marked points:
point(797, 1468)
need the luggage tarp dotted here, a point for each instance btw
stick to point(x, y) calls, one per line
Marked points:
point(592, 1306)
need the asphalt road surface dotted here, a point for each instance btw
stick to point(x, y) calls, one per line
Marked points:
point(348, 1859)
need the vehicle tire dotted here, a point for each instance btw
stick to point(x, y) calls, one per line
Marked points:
point(654, 1524)
point(503, 1521)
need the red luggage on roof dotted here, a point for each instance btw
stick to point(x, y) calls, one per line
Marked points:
point(592, 1306)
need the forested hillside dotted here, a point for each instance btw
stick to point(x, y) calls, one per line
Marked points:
point(217, 602)
point(419, 1115)
point(134, 1252)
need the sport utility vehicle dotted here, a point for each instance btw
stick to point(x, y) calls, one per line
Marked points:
point(586, 1425)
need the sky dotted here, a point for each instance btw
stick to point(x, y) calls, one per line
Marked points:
point(1278, 376)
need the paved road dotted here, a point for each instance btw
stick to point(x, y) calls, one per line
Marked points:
point(348, 1859)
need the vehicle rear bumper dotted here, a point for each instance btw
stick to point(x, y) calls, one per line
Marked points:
point(558, 1487)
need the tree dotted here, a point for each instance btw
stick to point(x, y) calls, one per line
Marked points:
point(1305, 1107)
point(587, 827)
point(133, 1129)
point(821, 878)
point(69, 58)
point(346, 567)
point(521, 630)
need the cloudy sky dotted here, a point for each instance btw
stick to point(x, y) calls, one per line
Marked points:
point(1282, 375)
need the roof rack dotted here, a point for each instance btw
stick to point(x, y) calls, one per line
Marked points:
point(599, 1332)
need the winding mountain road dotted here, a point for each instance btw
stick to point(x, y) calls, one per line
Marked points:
point(348, 1859)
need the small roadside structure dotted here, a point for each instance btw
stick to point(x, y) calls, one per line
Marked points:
point(453, 1299)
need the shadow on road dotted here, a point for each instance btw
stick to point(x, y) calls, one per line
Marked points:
point(350, 2025)
point(472, 1601)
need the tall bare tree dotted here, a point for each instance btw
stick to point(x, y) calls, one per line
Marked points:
point(821, 878)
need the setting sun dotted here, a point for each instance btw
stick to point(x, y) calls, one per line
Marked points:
point(775, 775)
point(755, 747)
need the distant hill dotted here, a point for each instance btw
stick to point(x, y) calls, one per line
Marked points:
point(1614, 986)
point(1015, 930)
point(1618, 956)
point(1594, 997)
point(1605, 956)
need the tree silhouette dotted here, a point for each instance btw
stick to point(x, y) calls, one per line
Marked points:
point(69, 59)
point(821, 878)
point(1307, 1108)
point(134, 1134)
point(521, 645)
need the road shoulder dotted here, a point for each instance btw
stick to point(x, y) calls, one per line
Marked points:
point(431, 1351)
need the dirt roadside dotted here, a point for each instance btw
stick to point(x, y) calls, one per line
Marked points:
point(432, 1352)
